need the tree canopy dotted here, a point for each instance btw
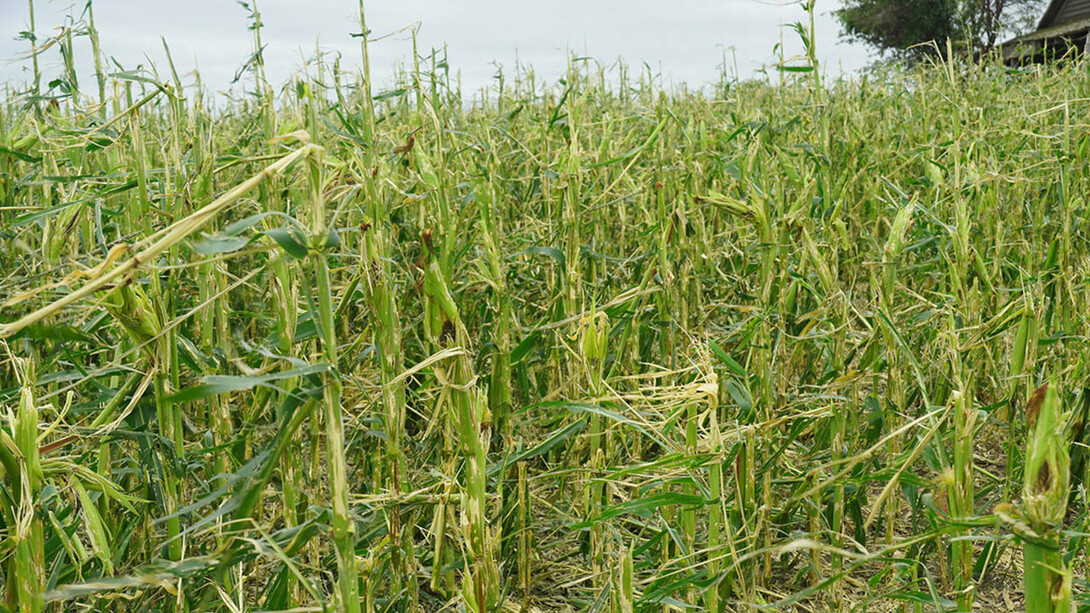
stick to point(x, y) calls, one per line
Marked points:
point(904, 27)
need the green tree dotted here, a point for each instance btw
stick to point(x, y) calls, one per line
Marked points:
point(905, 27)
point(984, 21)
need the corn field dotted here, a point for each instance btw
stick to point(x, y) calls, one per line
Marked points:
point(794, 344)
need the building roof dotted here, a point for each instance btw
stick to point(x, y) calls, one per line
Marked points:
point(1055, 31)
point(1060, 12)
point(1063, 19)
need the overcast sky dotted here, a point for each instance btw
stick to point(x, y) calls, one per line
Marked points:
point(684, 40)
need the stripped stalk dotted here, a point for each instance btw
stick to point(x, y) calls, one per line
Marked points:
point(1045, 494)
point(26, 570)
point(472, 423)
point(344, 529)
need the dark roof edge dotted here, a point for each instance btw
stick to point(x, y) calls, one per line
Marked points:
point(1050, 14)
point(1071, 27)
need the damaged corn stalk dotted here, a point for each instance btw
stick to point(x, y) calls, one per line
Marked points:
point(472, 422)
point(599, 344)
point(25, 571)
point(1038, 520)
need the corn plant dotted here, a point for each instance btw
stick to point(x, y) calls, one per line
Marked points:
point(603, 343)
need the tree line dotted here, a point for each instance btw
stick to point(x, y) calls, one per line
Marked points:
point(903, 29)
